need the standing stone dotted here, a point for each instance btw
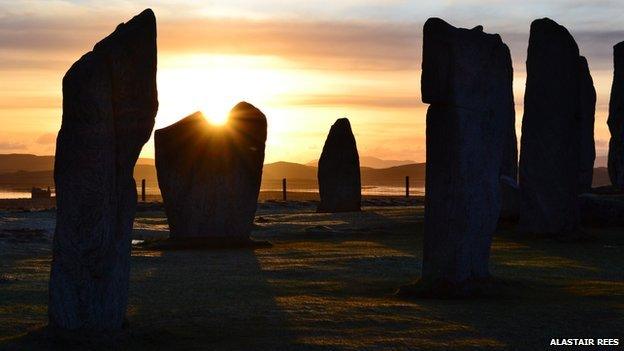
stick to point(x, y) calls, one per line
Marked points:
point(339, 171)
point(510, 199)
point(109, 106)
point(557, 108)
point(587, 110)
point(210, 175)
point(616, 119)
point(467, 79)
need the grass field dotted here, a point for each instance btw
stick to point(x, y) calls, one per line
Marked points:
point(328, 283)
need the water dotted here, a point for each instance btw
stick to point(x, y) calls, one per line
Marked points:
point(366, 190)
point(391, 190)
point(14, 194)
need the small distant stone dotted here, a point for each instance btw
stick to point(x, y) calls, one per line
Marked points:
point(339, 181)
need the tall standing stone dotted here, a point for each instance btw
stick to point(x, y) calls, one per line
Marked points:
point(339, 181)
point(586, 113)
point(509, 167)
point(467, 79)
point(210, 175)
point(109, 106)
point(616, 119)
point(558, 113)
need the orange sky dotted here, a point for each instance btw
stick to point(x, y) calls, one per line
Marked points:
point(303, 64)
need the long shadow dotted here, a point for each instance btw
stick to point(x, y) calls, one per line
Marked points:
point(215, 299)
point(328, 283)
point(347, 269)
point(212, 299)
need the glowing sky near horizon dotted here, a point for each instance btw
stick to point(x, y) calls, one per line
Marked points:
point(304, 64)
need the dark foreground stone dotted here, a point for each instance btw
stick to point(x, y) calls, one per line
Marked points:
point(109, 106)
point(557, 146)
point(210, 175)
point(616, 119)
point(587, 110)
point(339, 171)
point(467, 79)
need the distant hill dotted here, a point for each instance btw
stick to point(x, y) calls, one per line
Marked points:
point(32, 163)
point(601, 177)
point(25, 162)
point(146, 161)
point(145, 171)
point(394, 175)
point(373, 162)
point(27, 179)
point(289, 170)
point(25, 171)
point(271, 172)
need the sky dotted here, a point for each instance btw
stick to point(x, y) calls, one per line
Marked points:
point(303, 63)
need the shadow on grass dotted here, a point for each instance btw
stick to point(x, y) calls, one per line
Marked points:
point(209, 299)
point(214, 298)
point(329, 280)
point(346, 272)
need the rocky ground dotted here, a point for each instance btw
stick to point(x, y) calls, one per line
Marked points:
point(328, 283)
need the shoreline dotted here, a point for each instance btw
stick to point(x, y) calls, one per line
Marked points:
point(263, 197)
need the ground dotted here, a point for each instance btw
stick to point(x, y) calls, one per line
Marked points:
point(328, 283)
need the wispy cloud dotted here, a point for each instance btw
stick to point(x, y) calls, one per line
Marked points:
point(364, 38)
point(46, 139)
point(367, 101)
point(359, 45)
point(9, 146)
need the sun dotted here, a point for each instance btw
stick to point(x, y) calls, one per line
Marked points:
point(217, 119)
point(214, 84)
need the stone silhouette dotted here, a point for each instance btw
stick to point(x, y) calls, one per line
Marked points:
point(210, 175)
point(467, 79)
point(339, 171)
point(558, 106)
point(616, 119)
point(109, 105)
point(586, 113)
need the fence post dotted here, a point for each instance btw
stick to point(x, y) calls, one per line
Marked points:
point(143, 190)
point(284, 189)
point(406, 186)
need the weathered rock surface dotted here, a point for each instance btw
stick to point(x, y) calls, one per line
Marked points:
point(557, 95)
point(109, 106)
point(587, 111)
point(339, 171)
point(210, 175)
point(467, 79)
point(616, 119)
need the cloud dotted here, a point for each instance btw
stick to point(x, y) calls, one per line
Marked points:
point(46, 139)
point(355, 45)
point(365, 40)
point(12, 146)
point(393, 102)
point(39, 40)
point(382, 45)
